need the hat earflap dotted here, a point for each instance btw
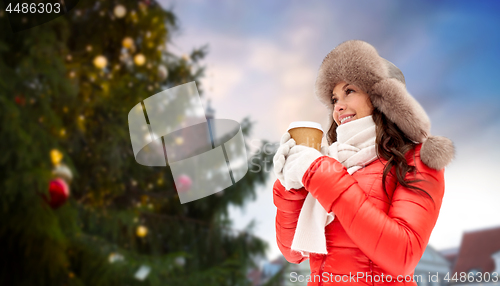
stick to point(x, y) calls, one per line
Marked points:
point(437, 152)
point(392, 99)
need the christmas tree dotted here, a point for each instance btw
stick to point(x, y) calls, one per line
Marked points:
point(66, 88)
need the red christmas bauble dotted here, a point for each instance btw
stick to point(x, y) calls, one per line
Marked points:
point(20, 100)
point(59, 193)
point(183, 183)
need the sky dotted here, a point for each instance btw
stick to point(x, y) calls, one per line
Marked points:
point(263, 60)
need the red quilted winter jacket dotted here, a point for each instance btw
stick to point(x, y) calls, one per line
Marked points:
point(373, 240)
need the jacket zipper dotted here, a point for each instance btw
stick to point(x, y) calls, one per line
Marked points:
point(321, 271)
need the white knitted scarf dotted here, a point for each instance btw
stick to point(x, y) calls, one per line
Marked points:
point(355, 148)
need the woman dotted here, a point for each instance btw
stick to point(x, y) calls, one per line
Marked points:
point(363, 209)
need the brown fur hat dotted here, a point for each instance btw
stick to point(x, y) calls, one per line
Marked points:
point(357, 62)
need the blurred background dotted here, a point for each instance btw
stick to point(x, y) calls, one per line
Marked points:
point(76, 209)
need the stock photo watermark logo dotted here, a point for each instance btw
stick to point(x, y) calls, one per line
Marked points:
point(205, 155)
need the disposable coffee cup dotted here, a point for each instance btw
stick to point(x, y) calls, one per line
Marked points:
point(306, 133)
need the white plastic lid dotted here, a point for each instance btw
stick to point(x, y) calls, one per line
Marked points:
point(309, 124)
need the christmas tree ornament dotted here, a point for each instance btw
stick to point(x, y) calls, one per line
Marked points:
point(100, 62)
point(183, 183)
point(128, 42)
point(63, 171)
point(19, 99)
point(58, 193)
point(56, 156)
point(139, 59)
point(89, 48)
point(115, 257)
point(162, 72)
point(142, 273)
point(72, 74)
point(141, 231)
point(180, 261)
point(120, 11)
point(69, 58)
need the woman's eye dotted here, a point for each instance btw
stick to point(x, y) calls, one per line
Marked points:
point(349, 91)
point(334, 100)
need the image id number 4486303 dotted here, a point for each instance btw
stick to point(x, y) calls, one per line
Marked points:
point(39, 8)
point(472, 277)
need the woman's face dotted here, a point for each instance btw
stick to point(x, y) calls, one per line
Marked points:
point(350, 103)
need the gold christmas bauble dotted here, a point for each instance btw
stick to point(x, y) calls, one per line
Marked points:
point(56, 156)
point(120, 11)
point(100, 61)
point(141, 231)
point(139, 59)
point(128, 42)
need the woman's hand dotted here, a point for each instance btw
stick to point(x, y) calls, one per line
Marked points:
point(298, 161)
point(279, 158)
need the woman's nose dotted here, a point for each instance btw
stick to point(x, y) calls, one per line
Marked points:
point(339, 106)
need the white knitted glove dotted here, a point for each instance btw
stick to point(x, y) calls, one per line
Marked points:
point(279, 158)
point(298, 161)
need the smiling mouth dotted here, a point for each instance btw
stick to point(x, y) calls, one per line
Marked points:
point(346, 119)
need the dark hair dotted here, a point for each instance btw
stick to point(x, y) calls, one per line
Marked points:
point(392, 145)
